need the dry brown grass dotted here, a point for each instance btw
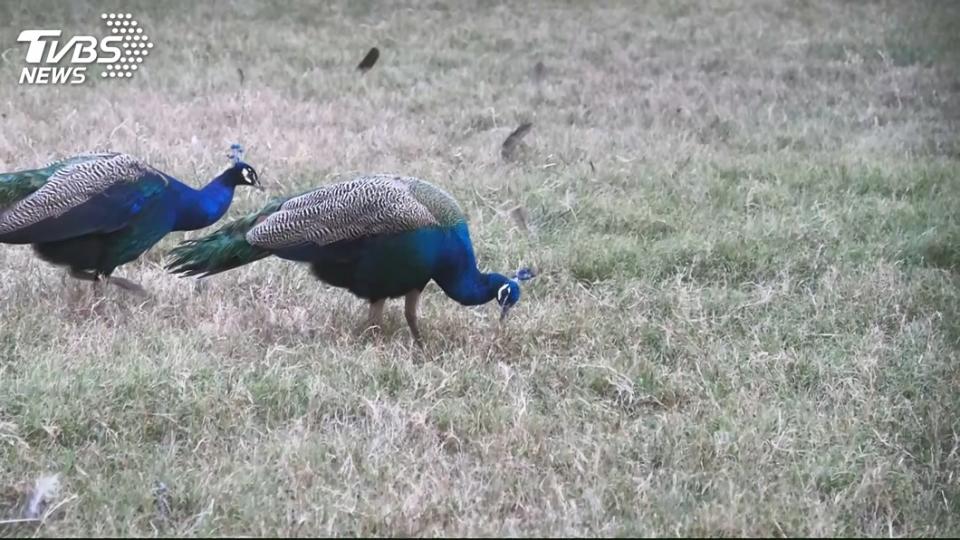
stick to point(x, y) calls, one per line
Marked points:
point(746, 325)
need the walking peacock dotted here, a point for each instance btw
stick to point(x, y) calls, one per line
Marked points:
point(94, 212)
point(379, 236)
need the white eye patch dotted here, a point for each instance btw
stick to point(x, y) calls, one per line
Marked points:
point(503, 293)
point(246, 174)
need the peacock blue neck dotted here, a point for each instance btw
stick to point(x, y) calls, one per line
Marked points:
point(197, 209)
point(474, 288)
point(460, 279)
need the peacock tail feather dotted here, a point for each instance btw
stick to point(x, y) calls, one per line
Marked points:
point(224, 249)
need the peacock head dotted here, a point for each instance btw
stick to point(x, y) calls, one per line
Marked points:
point(508, 292)
point(239, 173)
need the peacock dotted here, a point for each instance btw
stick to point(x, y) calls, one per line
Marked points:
point(93, 212)
point(379, 236)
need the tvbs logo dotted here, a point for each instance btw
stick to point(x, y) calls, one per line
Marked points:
point(120, 53)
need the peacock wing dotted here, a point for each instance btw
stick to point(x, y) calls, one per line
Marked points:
point(83, 196)
point(364, 206)
point(14, 186)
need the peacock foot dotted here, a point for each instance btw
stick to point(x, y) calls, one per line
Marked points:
point(370, 331)
point(97, 279)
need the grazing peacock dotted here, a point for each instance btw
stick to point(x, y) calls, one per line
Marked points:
point(94, 212)
point(379, 236)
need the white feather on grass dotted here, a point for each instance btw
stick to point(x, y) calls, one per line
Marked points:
point(44, 490)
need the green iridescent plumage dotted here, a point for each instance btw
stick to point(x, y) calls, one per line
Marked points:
point(225, 248)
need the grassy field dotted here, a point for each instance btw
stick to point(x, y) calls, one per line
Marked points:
point(747, 321)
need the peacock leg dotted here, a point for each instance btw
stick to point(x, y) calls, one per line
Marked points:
point(375, 317)
point(127, 285)
point(83, 276)
point(410, 312)
point(99, 294)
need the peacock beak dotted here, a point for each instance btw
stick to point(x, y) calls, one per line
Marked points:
point(504, 311)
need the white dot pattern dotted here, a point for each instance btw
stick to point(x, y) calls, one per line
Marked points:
point(135, 45)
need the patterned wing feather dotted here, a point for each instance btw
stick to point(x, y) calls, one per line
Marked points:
point(364, 206)
point(74, 183)
point(14, 186)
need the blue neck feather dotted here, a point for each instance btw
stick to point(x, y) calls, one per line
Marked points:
point(470, 288)
point(461, 280)
point(201, 208)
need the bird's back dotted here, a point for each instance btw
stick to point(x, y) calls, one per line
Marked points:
point(445, 209)
point(365, 206)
